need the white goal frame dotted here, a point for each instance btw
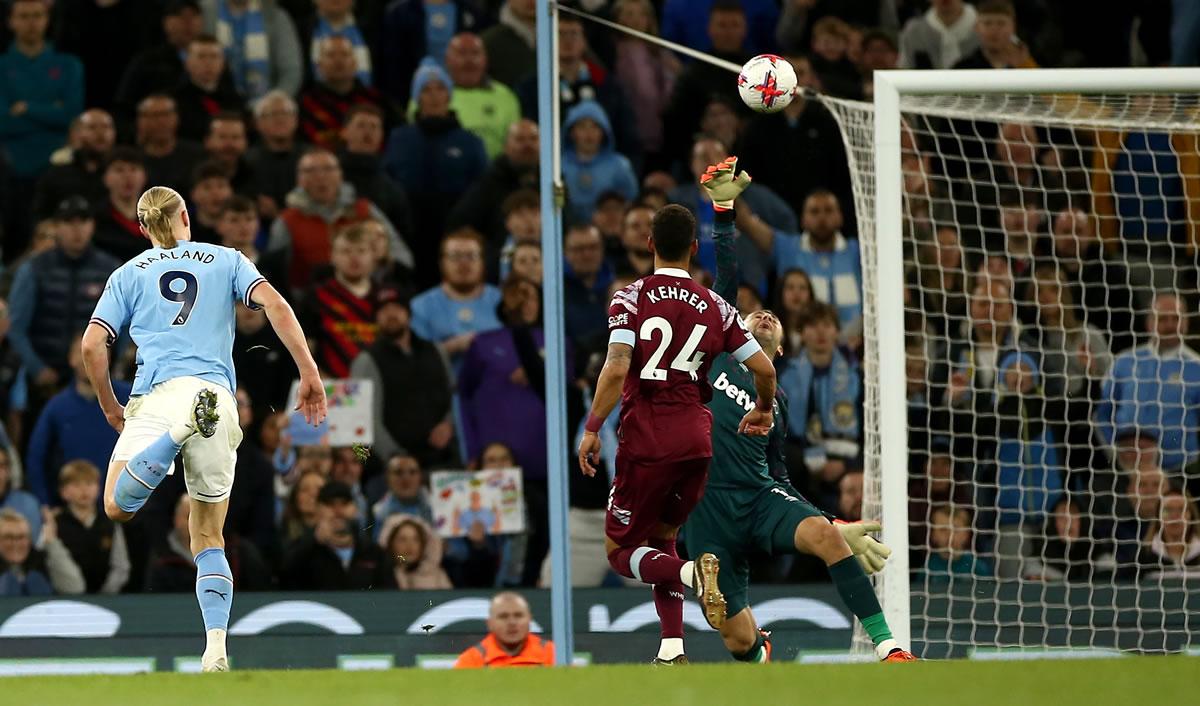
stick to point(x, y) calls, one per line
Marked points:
point(888, 276)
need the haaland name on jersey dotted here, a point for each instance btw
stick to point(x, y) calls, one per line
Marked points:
point(201, 257)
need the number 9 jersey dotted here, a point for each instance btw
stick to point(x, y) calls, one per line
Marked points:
point(179, 305)
point(676, 328)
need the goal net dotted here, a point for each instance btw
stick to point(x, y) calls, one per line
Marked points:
point(1044, 458)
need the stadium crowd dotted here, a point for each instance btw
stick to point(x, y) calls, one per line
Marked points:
point(378, 161)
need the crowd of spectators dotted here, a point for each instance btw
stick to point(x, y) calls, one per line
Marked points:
point(378, 161)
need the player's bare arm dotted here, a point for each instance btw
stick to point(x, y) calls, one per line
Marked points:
point(310, 399)
point(759, 420)
point(608, 393)
point(96, 362)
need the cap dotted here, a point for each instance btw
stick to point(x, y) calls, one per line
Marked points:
point(390, 295)
point(334, 491)
point(174, 7)
point(73, 207)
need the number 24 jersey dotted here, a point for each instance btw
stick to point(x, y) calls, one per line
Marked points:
point(676, 328)
point(179, 305)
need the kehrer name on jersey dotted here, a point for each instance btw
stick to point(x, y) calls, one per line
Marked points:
point(661, 292)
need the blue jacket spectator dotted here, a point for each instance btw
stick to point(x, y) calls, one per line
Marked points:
point(686, 22)
point(406, 493)
point(41, 90)
point(70, 427)
point(434, 158)
point(54, 294)
point(590, 162)
point(1156, 388)
point(415, 29)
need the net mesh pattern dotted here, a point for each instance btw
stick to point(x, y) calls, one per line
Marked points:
point(1052, 381)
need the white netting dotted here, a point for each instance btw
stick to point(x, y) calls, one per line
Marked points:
point(1053, 420)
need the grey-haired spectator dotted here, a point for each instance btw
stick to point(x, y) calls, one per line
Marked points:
point(273, 158)
point(169, 161)
point(54, 294)
point(400, 364)
point(157, 69)
point(117, 229)
point(261, 42)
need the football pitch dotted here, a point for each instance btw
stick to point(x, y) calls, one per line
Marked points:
point(1091, 682)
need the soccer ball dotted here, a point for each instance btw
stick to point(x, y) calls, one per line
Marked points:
point(766, 83)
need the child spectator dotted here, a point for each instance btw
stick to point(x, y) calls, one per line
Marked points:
point(523, 221)
point(416, 551)
point(949, 545)
point(590, 163)
point(96, 544)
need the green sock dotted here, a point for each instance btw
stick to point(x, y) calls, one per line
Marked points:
point(757, 653)
point(858, 595)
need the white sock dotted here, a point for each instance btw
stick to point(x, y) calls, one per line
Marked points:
point(670, 648)
point(686, 575)
point(181, 432)
point(884, 648)
point(216, 642)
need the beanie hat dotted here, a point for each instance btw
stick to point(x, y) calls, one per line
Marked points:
point(429, 70)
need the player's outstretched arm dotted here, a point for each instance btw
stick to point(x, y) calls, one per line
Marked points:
point(311, 397)
point(608, 393)
point(758, 421)
point(96, 363)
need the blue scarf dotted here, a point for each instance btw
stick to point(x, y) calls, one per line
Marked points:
point(246, 48)
point(834, 394)
point(362, 56)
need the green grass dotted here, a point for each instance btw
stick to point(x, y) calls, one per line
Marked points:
point(1130, 680)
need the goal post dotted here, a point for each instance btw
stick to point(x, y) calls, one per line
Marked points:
point(958, 119)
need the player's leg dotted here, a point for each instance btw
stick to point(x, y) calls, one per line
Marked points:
point(635, 505)
point(208, 464)
point(686, 493)
point(214, 579)
point(743, 639)
point(668, 600)
point(133, 477)
point(815, 535)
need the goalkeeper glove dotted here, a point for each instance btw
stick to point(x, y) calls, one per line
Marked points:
point(870, 552)
point(724, 184)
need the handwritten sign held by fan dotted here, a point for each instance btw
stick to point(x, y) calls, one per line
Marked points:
point(495, 499)
point(350, 407)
